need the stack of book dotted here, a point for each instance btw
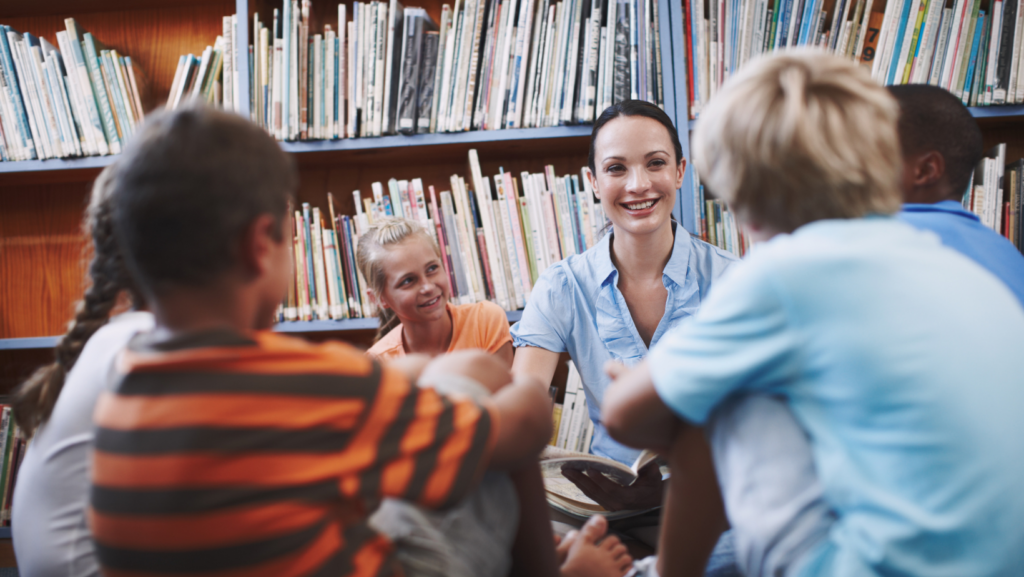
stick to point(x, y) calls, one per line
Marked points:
point(995, 194)
point(12, 452)
point(80, 101)
point(573, 428)
point(974, 53)
point(495, 240)
point(212, 76)
point(488, 64)
point(715, 223)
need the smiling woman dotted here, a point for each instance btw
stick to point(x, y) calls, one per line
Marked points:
point(616, 300)
point(402, 267)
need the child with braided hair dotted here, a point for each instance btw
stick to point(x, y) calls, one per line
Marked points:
point(55, 406)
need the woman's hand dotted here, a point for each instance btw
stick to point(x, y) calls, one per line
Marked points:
point(645, 493)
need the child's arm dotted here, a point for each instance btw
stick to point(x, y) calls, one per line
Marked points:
point(633, 413)
point(520, 405)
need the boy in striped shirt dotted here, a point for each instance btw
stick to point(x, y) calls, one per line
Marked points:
point(225, 449)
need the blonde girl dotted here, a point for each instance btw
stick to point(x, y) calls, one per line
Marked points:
point(402, 266)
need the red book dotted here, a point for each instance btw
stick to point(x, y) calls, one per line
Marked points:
point(687, 24)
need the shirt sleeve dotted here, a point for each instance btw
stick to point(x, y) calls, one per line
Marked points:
point(547, 319)
point(493, 327)
point(427, 448)
point(740, 340)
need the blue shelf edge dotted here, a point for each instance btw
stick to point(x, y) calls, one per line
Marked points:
point(998, 111)
point(372, 143)
point(5, 532)
point(436, 139)
point(56, 164)
point(287, 327)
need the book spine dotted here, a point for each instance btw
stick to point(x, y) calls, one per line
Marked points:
point(99, 89)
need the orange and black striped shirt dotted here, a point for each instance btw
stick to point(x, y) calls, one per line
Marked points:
point(262, 455)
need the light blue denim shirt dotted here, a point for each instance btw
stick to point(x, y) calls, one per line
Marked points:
point(576, 306)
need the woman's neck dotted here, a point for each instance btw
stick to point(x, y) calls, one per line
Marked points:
point(642, 256)
point(431, 338)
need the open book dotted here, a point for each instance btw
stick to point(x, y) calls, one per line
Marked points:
point(565, 496)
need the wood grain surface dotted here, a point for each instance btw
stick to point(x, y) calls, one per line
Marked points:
point(41, 257)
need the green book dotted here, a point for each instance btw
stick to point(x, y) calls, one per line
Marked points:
point(921, 12)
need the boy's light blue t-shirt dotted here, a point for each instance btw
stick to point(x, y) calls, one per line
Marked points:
point(576, 306)
point(901, 359)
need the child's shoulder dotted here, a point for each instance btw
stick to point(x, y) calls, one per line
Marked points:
point(389, 346)
point(480, 312)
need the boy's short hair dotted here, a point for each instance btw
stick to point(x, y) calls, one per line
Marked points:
point(932, 118)
point(801, 136)
point(189, 183)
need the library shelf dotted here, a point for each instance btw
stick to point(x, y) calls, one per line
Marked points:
point(1007, 112)
point(439, 138)
point(5, 532)
point(300, 327)
point(346, 144)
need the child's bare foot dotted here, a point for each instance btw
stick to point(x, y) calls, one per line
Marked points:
point(591, 552)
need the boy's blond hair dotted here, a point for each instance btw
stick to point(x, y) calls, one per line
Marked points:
point(798, 137)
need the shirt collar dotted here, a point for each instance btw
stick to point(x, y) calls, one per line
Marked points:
point(949, 206)
point(675, 269)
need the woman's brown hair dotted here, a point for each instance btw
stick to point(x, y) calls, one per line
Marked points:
point(35, 398)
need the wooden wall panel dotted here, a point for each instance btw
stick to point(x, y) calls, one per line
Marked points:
point(41, 257)
point(154, 37)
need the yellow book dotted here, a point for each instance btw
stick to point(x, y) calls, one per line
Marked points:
point(556, 419)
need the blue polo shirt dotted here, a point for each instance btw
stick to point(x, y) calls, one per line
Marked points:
point(576, 306)
point(961, 230)
point(901, 359)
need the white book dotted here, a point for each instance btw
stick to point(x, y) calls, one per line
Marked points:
point(442, 51)
point(878, 65)
point(1014, 56)
point(587, 39)
point(278, 74)
point(350, 80)
point(519, 73)
point(292, 53)
point(47, 111)
point(531, 63)
point(1019, 60)
point(963, 51)
point(504, 55)
point(542, 90)
point(331, 81)
point(922, 66)
point(993, 50)
point(483, 192)
point(73, 135)
point(461, 72)
point(331, 265)
point(571, 390)
point(893, 41)
point(49, 85)
point(953, 46)
point(448, 66)
point(534, 230)
point(862, 32)
point(602, 74)
point(81, 110)
point(27, 94)
point(572, 57)
point(228, 70)
point(380, 97)
point(580, 413)
point(478, 40)
point(467, 234)
point(941, 42)
point(368, 50)
point(514, 241)
point(560, 71)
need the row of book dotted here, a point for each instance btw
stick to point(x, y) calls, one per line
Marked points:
point(970, 50)
point(82, 100)
point(496, 240)
point(995, 194)
point(488, 64)
point(714, 222)
point(572, 428)
point(12, 452)
point(212, 76)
